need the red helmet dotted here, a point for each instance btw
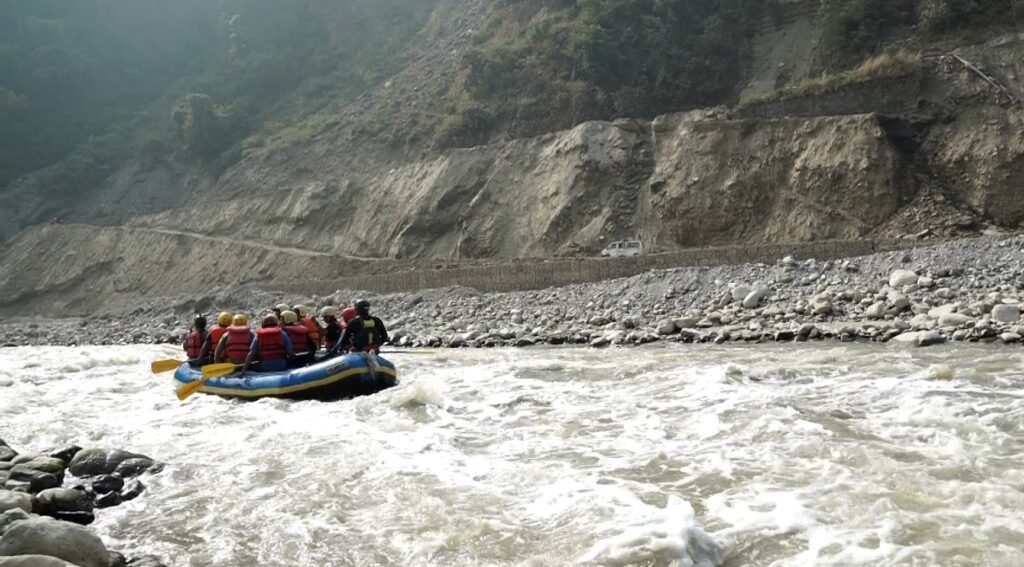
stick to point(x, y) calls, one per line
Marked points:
point(349, 314)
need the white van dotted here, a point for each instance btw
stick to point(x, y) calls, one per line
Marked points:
point(623, 248)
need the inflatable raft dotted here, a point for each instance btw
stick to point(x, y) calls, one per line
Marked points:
point(338, 378)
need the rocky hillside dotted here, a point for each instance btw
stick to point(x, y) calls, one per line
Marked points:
point(940, 149)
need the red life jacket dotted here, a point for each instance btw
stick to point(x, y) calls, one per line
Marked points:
point(194, 344)
point(271, 341)
point(299, 336)
point(314, 331)
point(215, 334)
point(239, 339)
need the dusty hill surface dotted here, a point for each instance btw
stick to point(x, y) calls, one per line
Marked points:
point(337, 187)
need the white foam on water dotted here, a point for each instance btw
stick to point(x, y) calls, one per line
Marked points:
point(781, 455)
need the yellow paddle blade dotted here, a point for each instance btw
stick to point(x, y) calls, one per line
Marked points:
point(189, 389)
point(218, 370)
point(161, 366)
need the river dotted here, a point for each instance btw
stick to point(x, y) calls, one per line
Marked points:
point(824, 454)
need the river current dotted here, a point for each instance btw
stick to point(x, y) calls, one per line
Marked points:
point(768, 455)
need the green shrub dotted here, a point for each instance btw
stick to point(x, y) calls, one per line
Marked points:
point(204, 129)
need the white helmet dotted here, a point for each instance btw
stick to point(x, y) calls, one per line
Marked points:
point(329, 311)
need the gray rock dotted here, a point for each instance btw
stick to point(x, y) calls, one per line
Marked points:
point(1010, 338)
point(929, 338)
point(821, 305)
point(1006, 313)
point(134, 467)
point(97, 461)
point(46, 536)
point(875, 311)
point(667, 327)
point(740, 292)
point(953, 320)
point(53, 501)
point(756, 296)
point(13, 515)
point(107, 483)
point(108, 500)
point(6, 453)
point(11, 500)
point(900, 278)
point(34, 561)
point(65, 454)
point(36, 480)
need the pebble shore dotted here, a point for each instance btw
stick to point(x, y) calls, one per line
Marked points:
point(966, 290)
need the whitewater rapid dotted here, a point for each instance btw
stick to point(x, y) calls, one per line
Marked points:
point(764, 455)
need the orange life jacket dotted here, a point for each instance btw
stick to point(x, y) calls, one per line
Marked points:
point(194, 344)
point(299, 336)
point(215, 334)
point(239, 340)
point(314, 331)
point(271, 341)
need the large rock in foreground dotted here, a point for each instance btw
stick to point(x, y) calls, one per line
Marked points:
point(97, 461)
point(45, 536)
point(34, 561)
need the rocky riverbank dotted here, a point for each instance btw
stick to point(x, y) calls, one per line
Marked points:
point(48, 498)
point(963, 290)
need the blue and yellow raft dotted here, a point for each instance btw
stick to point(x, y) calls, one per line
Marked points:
point(338, 378)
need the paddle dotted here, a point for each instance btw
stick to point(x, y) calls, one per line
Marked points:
point(209, 371)
point(161, 366)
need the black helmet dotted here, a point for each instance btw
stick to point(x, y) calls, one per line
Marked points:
point(199, 322)
point(363, 306)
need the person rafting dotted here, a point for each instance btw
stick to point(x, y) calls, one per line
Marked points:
point(301, 339)
point(332, 328)
point(307, 318)
point(234, 345)
point(217, 333)
point(196, 343)
point(364, 334)
point(272, 347)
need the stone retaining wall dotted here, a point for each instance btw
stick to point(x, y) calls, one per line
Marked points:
point(540, 274)
point(886, 96)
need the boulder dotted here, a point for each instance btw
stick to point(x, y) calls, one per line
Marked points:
point(821, 305)
point(106, 483)
point(11, 516)
point(134, 467)
point(667, 327)
point(1006, 313)
point(34, 561)
point(11, 500)
point(953, 320)
point(48, 465)
point(756, 296)
point(6, 453)
point(53, 501)
point(901, 278)
point(46, 536)
point(65, 454)
point(1010, 338)
point(36, 480)
point(875, 311)
point(97, 461)
point(740, 292)
point(929, 338)
point(108, 500)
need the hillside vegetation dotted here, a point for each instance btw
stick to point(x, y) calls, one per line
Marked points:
point(88, 84)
